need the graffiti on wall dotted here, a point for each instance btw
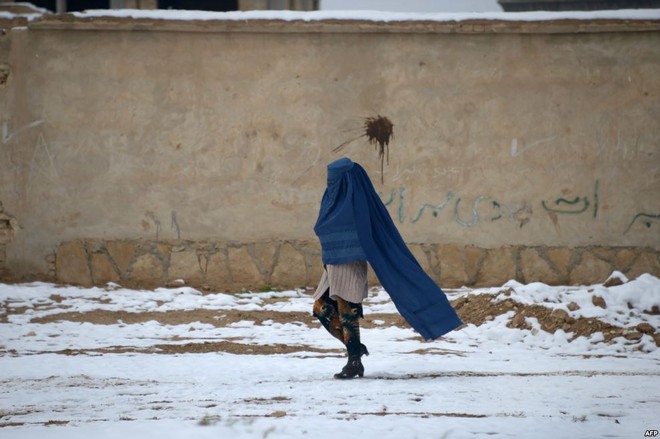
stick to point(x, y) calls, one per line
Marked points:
point(7, 136)
point(152, 221)
point(450, 200)
point(646, 219)
point(519, 212)
point(485, 208)
point(573, 206)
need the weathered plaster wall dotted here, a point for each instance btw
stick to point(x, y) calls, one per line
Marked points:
point(512, 143)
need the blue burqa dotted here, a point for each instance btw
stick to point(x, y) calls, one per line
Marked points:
point(353, 224)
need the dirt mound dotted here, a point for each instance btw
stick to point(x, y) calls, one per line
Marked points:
point(478, 309)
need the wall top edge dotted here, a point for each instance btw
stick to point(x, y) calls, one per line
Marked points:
point(469, 26)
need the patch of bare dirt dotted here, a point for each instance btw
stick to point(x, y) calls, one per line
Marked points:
point(473, 309)
point(208, 347)
point(8, 311)
point(478, 309)
point(218, 318)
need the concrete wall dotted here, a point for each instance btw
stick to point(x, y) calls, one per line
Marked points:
point(513, 143)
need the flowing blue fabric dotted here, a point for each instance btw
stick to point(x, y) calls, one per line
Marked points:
point(352, 209)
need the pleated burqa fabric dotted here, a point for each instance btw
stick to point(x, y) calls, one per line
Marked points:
point(353, 224)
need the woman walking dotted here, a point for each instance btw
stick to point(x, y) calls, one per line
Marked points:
point(354, 228)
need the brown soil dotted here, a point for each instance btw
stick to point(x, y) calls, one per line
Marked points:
point(478, 309)
point(207, 347)
point(473, 309)
point(216, 318)
point(212, 317)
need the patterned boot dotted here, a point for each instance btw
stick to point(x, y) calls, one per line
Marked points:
point(352, 369)
point(325, 310)
point(349, 315)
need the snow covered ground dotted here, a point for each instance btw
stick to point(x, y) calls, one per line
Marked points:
point(112, 362)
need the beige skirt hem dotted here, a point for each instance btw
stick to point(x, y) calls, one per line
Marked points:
point(348, 281)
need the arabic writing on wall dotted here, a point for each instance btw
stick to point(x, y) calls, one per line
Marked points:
point(520, 213)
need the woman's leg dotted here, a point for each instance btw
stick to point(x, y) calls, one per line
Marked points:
point(349, 315)
point(325, 309)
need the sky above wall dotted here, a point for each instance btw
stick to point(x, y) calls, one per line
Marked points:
point(413, 5)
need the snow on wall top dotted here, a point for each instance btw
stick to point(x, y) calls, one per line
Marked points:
point(375, 16)
point(17, 10)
